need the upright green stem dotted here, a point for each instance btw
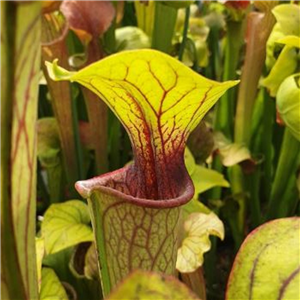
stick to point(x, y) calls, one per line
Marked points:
point(252, 185)
point(213, 69)
point(109, 37)
point(269, 116)
point(97, 110)
point(216, 192)
point(238, 189)
point(42, 189)
point(224, 119)
point(55, 45)
point(145, 15)
point(77, 142)
point(290, 199)
point(261, 145)
point(287, 165)
point(210, 264)
point(184, 34)
point(164, 25)
point(114, 125)
point(196, 282)
point(259, 26)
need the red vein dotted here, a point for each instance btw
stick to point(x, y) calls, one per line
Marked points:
point(286, 282)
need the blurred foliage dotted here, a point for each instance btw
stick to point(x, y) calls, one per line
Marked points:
point(245, 155)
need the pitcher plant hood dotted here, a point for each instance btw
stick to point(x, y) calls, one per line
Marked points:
point(159, 101)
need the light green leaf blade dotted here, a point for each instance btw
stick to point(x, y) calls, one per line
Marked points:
point(66, 224)
point(143, 285)
point(51, 288)
point(205, 179)
point(287, 16)
point(288, 24)
point(290, 40)
point(189, 161)
point(231, 153)
point(194, 206)
point(288, 104)
point(40, 251)
point(284, 66)
point(234, 154)
point(198, 227)
point(267, 265)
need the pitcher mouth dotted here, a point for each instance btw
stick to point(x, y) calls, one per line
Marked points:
point(112, 184)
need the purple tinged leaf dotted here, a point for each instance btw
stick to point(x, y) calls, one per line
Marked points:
point(88, 19)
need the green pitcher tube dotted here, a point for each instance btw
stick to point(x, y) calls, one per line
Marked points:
point(132, 233)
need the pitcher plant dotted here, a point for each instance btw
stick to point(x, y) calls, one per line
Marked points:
point(136, 210)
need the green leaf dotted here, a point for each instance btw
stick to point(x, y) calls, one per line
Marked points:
point(178, 4)
point(40, 251)
point(267, 265)
point(151, 286)
point(20, 65)
point(66, 224)
point(189, 161)
point(290, 40)
point(159, 101)
point(231, 153)
point(205, 179)
point(198, 227)
point(51, 288)
point(84, 288)
point(288, 24)
point(194, 206)
point(287, 16)
point(288, 104)
point(284, 66)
